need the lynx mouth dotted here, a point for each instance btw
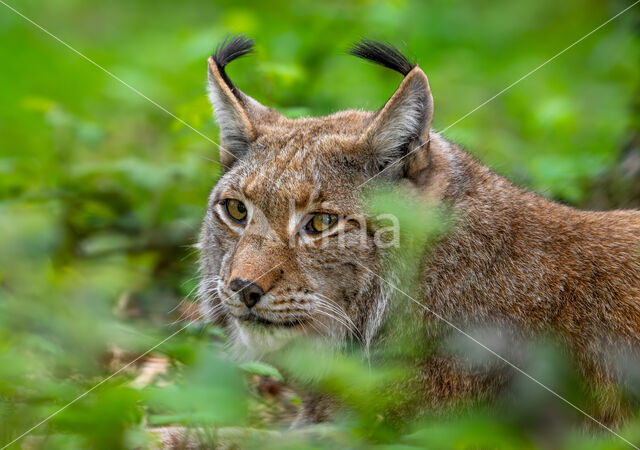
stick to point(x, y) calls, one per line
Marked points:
point(252, 318)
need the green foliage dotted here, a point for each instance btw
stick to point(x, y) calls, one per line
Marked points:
point(208, 392)
point(101, 193)
point(263, 369)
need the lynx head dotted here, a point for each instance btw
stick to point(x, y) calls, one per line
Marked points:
point(284, 239)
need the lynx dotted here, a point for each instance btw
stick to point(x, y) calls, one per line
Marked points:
point(274, 269)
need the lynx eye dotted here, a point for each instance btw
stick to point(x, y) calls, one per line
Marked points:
point(320, 222)
point(236, 209)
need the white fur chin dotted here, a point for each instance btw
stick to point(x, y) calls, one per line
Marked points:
point(253, 341)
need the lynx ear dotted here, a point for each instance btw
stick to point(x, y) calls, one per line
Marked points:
point(237, 113)
point(404, 121)
point(401, 125)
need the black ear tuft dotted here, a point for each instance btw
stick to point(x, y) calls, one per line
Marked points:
point(231, 48)
point(384, 54)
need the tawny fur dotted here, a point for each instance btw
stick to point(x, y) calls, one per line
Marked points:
point(514, 260)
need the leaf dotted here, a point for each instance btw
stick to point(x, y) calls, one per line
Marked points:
point(262, 369)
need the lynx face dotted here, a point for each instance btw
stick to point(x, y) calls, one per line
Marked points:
point(282, 231)
point(285, 233)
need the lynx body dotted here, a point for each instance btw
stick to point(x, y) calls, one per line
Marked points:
point(282, 255)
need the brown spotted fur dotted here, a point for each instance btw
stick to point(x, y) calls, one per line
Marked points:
point(515, 259)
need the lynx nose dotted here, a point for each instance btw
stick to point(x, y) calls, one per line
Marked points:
point(249, 292)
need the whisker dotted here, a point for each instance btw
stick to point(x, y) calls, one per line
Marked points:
point(189, 294)
point(312, 324)
point(337, 319)
point(335, 314)
point(328, 301)
point(339, 311)
point(178, 305)
point(212, 312)
point(310, 316)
